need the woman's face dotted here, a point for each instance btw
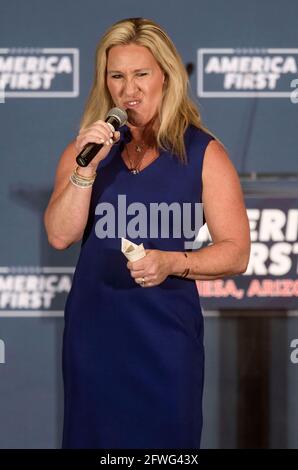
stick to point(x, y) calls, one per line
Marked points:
point(135, 82)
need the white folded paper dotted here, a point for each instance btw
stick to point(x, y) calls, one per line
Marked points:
point(132, 251)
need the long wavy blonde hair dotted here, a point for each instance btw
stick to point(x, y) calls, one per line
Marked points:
point(177, 110)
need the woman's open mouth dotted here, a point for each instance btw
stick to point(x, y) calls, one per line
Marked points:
point(132, 104)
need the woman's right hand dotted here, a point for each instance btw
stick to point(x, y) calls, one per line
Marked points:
point(99, 133)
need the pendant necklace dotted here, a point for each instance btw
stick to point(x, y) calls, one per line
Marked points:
point(135, 169)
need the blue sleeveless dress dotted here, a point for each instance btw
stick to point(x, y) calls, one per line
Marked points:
point(133, 357)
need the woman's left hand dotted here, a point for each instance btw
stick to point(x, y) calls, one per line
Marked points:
point(152, 269)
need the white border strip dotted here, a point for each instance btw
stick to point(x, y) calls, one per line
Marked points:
point(254, 313)
point(30, 313)
point(25, 270)
point(222, 94)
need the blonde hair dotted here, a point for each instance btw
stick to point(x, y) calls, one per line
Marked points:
point(177, 111)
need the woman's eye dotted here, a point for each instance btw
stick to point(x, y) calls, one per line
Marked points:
point(116, 76)
point(141, 74)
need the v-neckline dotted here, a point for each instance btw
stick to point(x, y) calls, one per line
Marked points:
point(145, 168)
point(126, 137)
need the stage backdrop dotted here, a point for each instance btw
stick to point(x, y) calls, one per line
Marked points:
point(242, 59)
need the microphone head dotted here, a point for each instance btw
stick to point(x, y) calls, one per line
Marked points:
point(119, 114)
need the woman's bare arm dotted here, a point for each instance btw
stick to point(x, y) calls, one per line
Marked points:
point(67, 212)
point(226, 218)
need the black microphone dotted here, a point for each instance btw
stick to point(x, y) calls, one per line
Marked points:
point(117, 117)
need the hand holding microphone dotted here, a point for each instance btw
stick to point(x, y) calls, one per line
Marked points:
point(94, 142)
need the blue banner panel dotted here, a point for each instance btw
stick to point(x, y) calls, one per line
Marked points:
point(270, 281)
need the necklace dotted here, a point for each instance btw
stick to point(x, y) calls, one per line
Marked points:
point(139, 148)
point(135, 169)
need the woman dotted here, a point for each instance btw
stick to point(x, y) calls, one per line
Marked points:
point(133, 357)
